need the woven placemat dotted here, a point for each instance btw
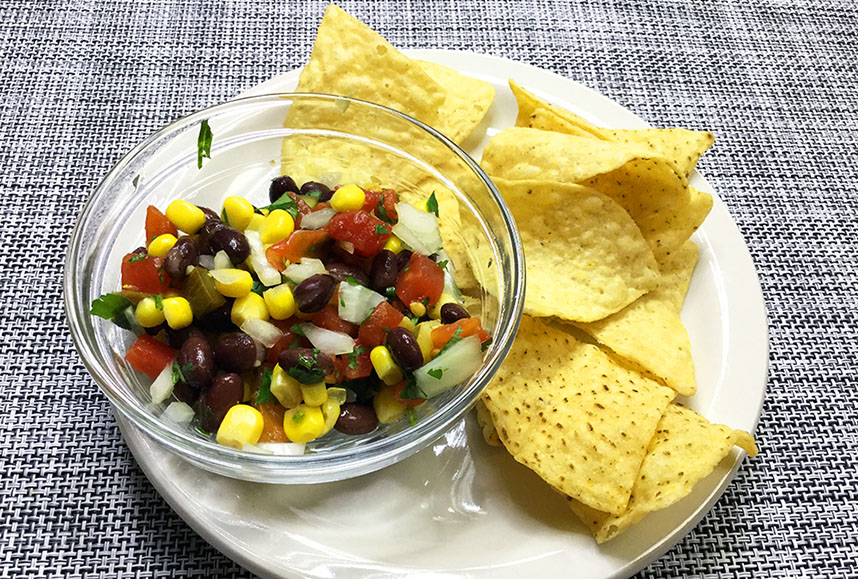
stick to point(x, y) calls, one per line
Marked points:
point(83, 81)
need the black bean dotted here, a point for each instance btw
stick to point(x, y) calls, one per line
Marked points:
point(342, 272)
point(306, 365)
point(206, 233)
point(356, 419)
point(185, 393)
point(313, 293)
point(452, 313)
point(384, 270)
point(180, 256)
point(226, 391)
point(280, 186)
point(233, 242)
point(404, 348)
point(209, 213)
point(140, 251)
point(179, 337)
point(219, 319)
point(402, 259)
point(235, 352)
point(313, 188)
point(196, 362)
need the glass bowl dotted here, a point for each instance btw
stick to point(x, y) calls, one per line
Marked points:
point(316, 137)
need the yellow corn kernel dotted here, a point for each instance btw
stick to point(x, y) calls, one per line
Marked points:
point(233, 283)
point(331, 412)
point(161, 245)
point(348, 198)
point(408, 324)
point(148, 313)
point(278, 225)
point(241, 425)
point(256, 221)
point(435, 311)
point(303, 423)
point(239, 212)
point(393, 244)
point(186, 216)
point(424, 338)
point(417, 308)
point(285, 388)
point(280, 301)
point(385, 367)
point(177, 312)
point(338, 394)
point(387, 408)
point(250, 306)
point(314, 394)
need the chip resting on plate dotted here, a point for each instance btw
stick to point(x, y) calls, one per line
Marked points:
point(585, 257)
point(649, 188)
point(567, 411)
point(648, 333)
point(684, 147)
point(468, 100)
point(685, 449)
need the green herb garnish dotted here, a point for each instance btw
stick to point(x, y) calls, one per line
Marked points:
point(411, 415)
point(381, 211)
point(297, 330)
point(353, 357)
point(411, 391)
point(308, 370)
point(264, 394)
point(380, 229)
point(112, 307)
point(297, 417)
point(352, 281)
point(432, 204)
point(204, 143)
point(456, 337)
point(137, 257)
point(443, 264)
point(436, 373)
point(178, 373)
point(286, 203)
point(202, 431)
point(223, 216)
point(390, 292)
point(257, 288)
point(159, 301)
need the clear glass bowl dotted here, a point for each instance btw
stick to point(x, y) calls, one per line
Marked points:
point(328, 138)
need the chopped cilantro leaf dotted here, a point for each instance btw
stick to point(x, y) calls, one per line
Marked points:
point(204, 143)
point(432, 204)
point(352, 281)
point(457, 336)
point(112, 307)
point(342, 303)
point(298, 417)
point(411, 391)
point(443, 264)
point(223, 216)
point(485, 345)
point(297, 330)
point(264, 394)
point(202, 431)
point(390, 292)
point(257, 288)
point(177, 373)
point(353, 357)
point(159, 301)
point(436, 373)
point(286, 203)
point(411, 415)
point(138, 257)
point(380, 229)
point(382, 212)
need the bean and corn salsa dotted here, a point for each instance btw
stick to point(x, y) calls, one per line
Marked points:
point(328, 309)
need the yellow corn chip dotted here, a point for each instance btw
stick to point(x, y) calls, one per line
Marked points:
point(568, 412)
point(685, 449)
point(585, 257)
point(648, 333)
point(484, 419)
point(683, 147)
point(468, 100)
point(651, 189)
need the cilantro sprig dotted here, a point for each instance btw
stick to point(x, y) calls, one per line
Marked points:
point(204, 143)
point(286, 203)
point(264, 394)
point(112, 307)
point(432, 204)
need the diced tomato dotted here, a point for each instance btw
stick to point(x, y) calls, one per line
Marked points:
point(329, 318)
point(355, 365)
point(149, 355)
point(144, 273)
point(374, 330)
point(410, 402)
point(470, 327)
point(420, 280)
point(158, 224)
point(283, 343)
point(388, 199)
point(366, 232)
point(272, 421)
point(301, 243)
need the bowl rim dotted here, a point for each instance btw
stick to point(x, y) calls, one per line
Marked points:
point(328, 466)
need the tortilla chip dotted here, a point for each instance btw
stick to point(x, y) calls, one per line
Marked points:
point(685, 449)
point(651, 189)
point(468, 100)
point(683, 147)
point(585, 257)
point(565, 410)
point(484, 419)
point(649, 333)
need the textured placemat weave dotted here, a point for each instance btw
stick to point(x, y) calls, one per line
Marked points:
point(83, 81)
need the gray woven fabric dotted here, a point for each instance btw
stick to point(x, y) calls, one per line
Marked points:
point(83, 81)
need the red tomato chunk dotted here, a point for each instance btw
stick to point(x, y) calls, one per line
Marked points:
point(366, 232)
point(158, 224)
point(301, 243)
point(144, 273)
point(149, 355)
point(420, 280)
point(374, 330)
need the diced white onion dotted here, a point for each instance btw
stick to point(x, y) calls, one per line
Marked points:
point(417, 229)
point(307, 267)
point(357, 302)
point(179, 412)
point(162, 387)
point(347, 246)
point(255, 449)
point(222, 261)
point(266, 273)
point(317, 219)
point(455, 364)
point(327, 341)
point(263, 332)
point(207, 261)
point(283, 448)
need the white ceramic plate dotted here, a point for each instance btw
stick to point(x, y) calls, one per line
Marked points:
point(462, 508)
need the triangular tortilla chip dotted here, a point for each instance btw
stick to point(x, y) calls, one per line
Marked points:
point(685, 449)
point(586, 259)
point(648, 333)
point(468, 100)
point(564, 409)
